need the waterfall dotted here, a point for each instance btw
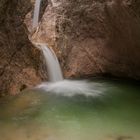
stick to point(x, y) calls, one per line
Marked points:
point(53, 67)
point(36, 13)
point(57, 84)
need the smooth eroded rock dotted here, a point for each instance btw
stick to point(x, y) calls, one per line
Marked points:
point(19, 59)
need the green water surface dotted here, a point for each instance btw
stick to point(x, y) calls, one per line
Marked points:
point(37, 115)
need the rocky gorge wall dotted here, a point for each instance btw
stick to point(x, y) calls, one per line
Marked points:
point(90, 38)
point(19, 59)
point(100, 37)
point(93, 37)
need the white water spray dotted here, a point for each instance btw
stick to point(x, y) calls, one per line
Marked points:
point(36, 13)
point(57, 85)
point(64, 87)
point(53, 67)
point(72, 88)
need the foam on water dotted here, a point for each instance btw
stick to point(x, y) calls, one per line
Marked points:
point(63, 87)
point(72, 87)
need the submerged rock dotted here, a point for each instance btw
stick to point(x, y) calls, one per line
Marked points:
point(100, 37)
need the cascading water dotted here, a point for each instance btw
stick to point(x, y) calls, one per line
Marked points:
point(53, 67)
point(56, 83)
point(36, 13)
point(37, 115)
point(60, 86)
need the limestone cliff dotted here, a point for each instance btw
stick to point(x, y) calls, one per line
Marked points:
point(94, 37)
point(90, 37)
point(19, 60)
point(100, 37)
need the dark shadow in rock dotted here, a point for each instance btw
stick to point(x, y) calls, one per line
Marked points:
point(23, 87)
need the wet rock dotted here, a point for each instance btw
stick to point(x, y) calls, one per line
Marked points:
point(100, 37)
point(94, 37)
point(19, 59)
point(90, 38)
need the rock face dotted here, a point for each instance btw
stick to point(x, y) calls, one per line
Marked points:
point(46, 30)
point(19, 59)
point(94, 37)
point(99, 37)
point(90, 37)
